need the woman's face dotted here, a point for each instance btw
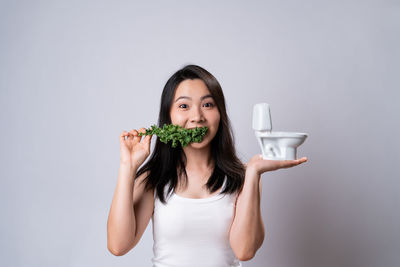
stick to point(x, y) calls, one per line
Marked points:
point(193, 106)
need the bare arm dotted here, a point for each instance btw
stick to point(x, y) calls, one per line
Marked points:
point(247, 231)
point(121, 225)
point(131, 207)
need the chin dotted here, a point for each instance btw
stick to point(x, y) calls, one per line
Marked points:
point(202, 144)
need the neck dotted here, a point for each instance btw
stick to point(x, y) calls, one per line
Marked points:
point(198, 160)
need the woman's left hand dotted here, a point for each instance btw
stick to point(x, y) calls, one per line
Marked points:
point(260, 165)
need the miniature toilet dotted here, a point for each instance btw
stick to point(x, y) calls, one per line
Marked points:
point(274, 145)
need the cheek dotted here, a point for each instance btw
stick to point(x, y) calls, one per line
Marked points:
point(216, 121)
point(176, 118)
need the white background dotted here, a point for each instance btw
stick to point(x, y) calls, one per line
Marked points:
point(75, 74)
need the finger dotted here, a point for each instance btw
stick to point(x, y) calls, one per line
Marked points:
point(147, 139)
point(142, 131)
point(304, 159)
point(135, 136)
point(288, 163)
point(122, 135)
point(129, 135)
point(292, 163)
point(301, 160)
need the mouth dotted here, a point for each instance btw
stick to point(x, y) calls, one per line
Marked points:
point(194, 127)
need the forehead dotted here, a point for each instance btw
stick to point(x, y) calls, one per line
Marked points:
point(192, 88)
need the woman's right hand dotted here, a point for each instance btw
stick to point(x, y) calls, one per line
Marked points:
point(134, 149)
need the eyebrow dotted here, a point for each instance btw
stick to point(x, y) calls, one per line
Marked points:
point(186, 97)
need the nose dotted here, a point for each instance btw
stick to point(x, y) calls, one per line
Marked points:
point(197, 115)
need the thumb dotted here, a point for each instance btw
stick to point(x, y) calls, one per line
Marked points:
point(147, 139)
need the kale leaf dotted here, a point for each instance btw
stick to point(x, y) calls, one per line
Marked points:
point(175, 133)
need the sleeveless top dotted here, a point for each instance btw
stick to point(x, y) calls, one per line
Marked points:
point(189, 232)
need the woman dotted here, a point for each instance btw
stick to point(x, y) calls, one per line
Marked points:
point(204, 203)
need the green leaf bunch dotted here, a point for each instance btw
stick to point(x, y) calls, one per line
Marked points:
point(176, 133)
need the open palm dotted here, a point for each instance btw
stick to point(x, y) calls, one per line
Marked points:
point(260, 165)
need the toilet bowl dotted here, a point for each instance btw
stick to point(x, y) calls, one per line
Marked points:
point(274, 145)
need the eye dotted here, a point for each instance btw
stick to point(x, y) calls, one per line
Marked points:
point(182, 106)
point(208, 105)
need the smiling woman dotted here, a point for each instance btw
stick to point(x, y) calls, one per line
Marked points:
point(194, 106)
point(193, 97)
point(204, 203)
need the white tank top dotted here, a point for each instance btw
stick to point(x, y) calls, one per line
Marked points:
point(190, 232)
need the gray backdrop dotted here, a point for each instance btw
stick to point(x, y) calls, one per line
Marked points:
point(75, 74)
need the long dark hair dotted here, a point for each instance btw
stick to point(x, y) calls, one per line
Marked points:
point(166, 164)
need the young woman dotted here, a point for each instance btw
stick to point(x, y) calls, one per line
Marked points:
point(203, 202)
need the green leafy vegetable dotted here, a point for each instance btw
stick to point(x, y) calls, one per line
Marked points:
point(175, 133)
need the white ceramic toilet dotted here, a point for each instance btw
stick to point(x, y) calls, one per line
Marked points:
point(274, 145)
